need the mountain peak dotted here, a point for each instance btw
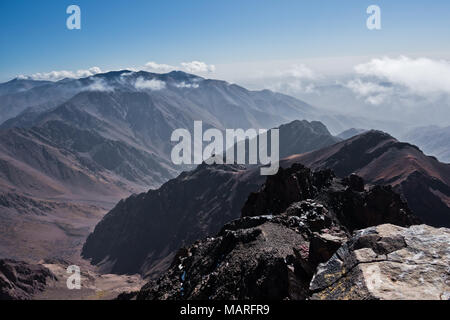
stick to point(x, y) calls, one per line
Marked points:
point(111, 74)
point(316, 126)
point(350, 133)
point(178, 73)
point(383, 160)
point(377, 134)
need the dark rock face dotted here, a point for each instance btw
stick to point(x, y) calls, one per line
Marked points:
point(349, 203)
point(20, 280)
point(305, 217)
point(356, 183)
point(247, 263)
point(323, 246)
point(142, 233)
point(287, 186)
point(428, 196)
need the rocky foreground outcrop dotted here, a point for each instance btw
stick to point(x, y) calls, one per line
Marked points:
point(298, 220)
point(20, 280)
point(388, 262)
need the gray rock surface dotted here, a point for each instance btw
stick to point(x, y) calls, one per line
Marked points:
point(390, 263)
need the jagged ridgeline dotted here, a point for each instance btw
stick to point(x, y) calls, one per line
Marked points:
point(298, 220)
point(197, 204)
point(141, 232)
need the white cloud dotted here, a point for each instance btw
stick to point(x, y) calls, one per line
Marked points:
point(420, 75)
point(376, 99)
point(300, 71)
point(157, 67)
point(295, 79)
point(373, 93)
point(87, 73)
point(192, 67)
point(99, 85)
point(291, 87)
point(198, 67)
point(142, 84)
point(365, 88)
point(409, 80)
point(124, 75)
point(62, 74)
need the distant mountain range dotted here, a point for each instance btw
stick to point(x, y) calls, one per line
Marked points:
point(174, 98)
point(215, 102)
point(80, 145)
point(120, 123)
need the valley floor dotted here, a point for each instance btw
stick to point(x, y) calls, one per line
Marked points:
point(53, 237)
point(94, 286)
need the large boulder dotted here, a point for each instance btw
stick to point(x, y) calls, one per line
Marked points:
point(388, 262)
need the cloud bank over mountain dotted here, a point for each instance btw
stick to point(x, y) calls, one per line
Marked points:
point(152, 84)
point(197, 67)
point(415, 89)
point(421, 75)
point(62, 74)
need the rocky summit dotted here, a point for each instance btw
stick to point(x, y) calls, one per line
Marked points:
point(298, 220)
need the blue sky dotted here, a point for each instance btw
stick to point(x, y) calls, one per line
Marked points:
point(117, 34)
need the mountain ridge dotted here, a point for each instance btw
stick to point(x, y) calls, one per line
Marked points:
point(381, 159)
point(212, 196)
point(383, 141)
